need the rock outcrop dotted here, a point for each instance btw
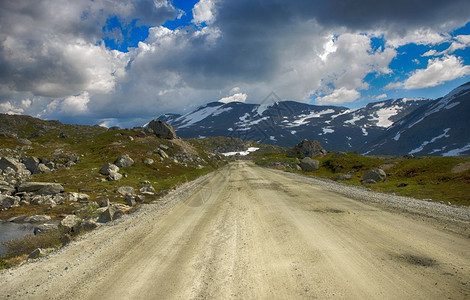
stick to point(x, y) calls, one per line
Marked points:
point(308, 149)
point(307, 164)
point(161, 129)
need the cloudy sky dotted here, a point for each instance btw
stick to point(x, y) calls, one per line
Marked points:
point(125, 62)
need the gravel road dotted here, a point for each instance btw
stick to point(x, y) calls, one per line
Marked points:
point(247, 232)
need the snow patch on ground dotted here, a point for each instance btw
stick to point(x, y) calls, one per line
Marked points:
point(293, 132)
point(242, 153)
point(420, 148)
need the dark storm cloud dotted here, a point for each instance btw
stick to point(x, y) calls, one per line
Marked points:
point(353, 14)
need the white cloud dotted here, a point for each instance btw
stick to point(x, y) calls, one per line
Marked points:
point(203, 12)
point(459, 42)
point(75, 105)
point(438, 71)
point(380, 97)
point(431, 52)
point(8, 108)
point(239, 97)
point(422, 36)
point(341, 95)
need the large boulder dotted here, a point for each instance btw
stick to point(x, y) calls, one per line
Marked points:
point(43, 188)
point(42, 228)
point(70, 224)
point(308, 148)
point(376, 175)
point(9, 162)
point(162, 130)
point(124, 161)
point(307, 164)
point(109, 168)
point(37, 219)
point(107, 215)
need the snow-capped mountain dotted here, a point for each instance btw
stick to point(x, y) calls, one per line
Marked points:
point(439, 127)
point(285, 123)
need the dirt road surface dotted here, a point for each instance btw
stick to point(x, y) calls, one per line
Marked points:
point(252, 233)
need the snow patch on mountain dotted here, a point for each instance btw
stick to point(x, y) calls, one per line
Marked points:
point(457, 152)
point(302, 119)
point(196, 116)
point(354, 119)
point(383, 116)
point(420, 148)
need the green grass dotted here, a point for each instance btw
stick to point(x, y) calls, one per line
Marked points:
point(424, 177)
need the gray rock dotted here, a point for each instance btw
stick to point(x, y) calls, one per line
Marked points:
point(37, 219)
point(162, 130)
point(7, 202)
point(368, 181)
point(130, 199)
point(70, 224)
point(148, 161)
point(43, 188)
point(139, 198)
point(126, 190)
point(89, 225)
point(104, 203)
point(44, 228)
point(24, 141)
point(114, 177)
point(147, 190)
point(107, 215)
point(32, 163)
point(307, 164)
point(308, 148)
point(9, 162)
point(124, 161)
point(162, 154)
point(37, 253)
point(17, 219)
point(163, 147)
point(42, 168)
point(344, 177)
point(377, 175)
point(80, 197)
point(109, 168)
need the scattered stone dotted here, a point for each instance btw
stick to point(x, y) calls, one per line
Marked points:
point(461, 167)
point(339, 154)
point(7, 202)
point(80, 197)
point(9, 162)
point(32, 163)
point(63, 135)
point(89, 225)
point(126, 190)
point(123, 161)
point(162, 154)
point(368, 181)
point(114, 177)
point(147, 190)
point(307, 164)
point(139, 199)
point(43, 188)
point(308, 148)
point(104, 203)
point(44, 228)
point(344, 177)
point(24, 141)
point(70, 224)
point(163, 147)
point(109, 168)
point(107, 215)
point(148, 161)
point(130, 200)
point(37, 219)
point(17, 219)
point(37, 253)
point(376, 175)
point(403, 184)
point(162, 130)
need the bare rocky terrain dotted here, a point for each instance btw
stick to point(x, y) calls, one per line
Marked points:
point(249, 232)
